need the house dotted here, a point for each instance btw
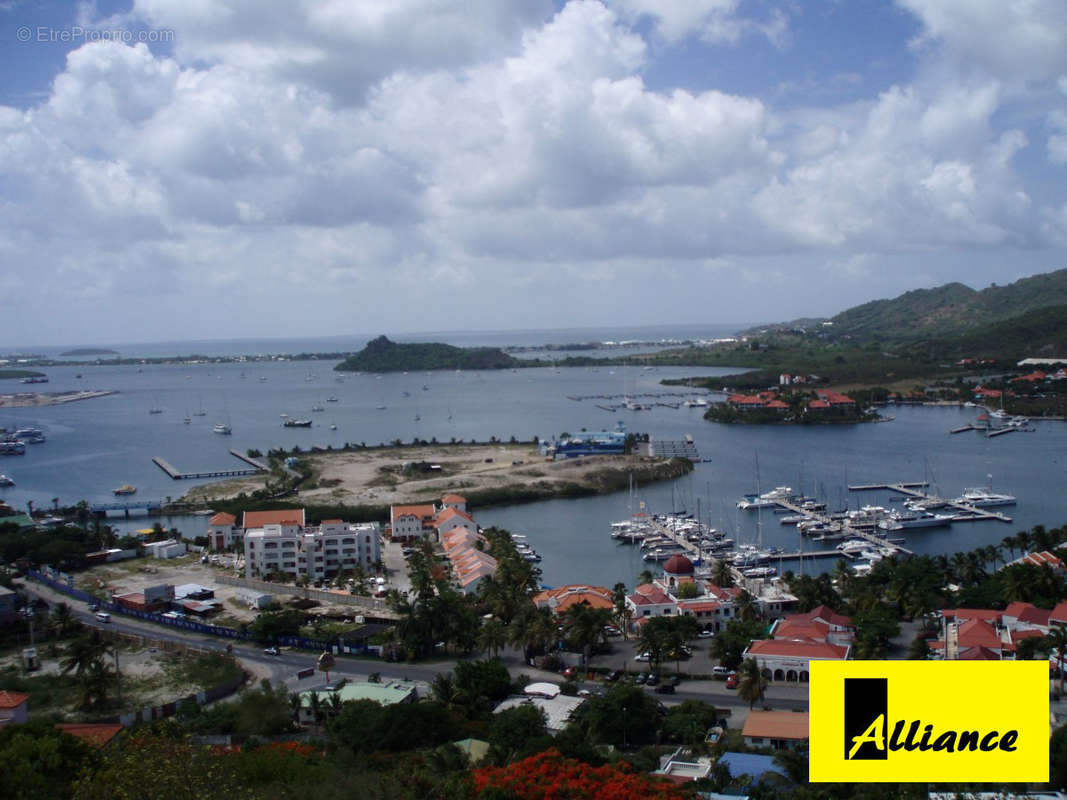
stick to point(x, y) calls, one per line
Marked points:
point(386, 694)
point(14, 708)
point(98, 735)
point(1042, 559)
point(223, 532)
point(409, 523)
point(790, 659)
point(821, 624)
point(778, 730)
point(470, 563)
point(650, 600)
point(454, 501)
point(166, 549)
point(558, 709)
point(683, 765)
point(449, 519)
point(564, 597)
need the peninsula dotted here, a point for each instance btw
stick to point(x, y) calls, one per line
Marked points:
point(488, 474)
point(383, 355)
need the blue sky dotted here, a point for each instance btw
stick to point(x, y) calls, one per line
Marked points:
point(307, 167)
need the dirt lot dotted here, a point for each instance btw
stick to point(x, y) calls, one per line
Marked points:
point(378, 477)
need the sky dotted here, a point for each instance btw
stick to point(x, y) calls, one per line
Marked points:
point(189, 169)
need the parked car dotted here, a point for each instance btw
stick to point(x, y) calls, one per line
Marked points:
point(705, 634)
point(640, 678)
point(721, 671)
point(675, 680)
point(731, 681)
point(641, 657)
point(94, 607)
point(613, 676)
point(103, 616)
point(653, 679)
point(568, 672)
point(271, 651)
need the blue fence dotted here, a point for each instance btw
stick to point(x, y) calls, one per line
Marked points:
point(298, 642)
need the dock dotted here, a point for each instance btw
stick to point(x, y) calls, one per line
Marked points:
point(973, 513)
point(848, 530)
point(176, 474)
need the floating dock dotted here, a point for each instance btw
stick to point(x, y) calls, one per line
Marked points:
point(847, 530)
point(176, 474)
point(973, 513)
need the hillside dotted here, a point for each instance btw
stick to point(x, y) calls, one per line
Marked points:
point(952, 309)
point(384, 355)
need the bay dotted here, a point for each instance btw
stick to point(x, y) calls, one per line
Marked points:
point(95, 445)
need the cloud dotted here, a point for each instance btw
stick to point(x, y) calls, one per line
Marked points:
point(712, 21)
point(391, 151)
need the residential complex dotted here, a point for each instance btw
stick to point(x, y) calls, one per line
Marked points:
point(314, 552)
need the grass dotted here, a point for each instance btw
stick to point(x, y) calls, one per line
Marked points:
point(200, 672)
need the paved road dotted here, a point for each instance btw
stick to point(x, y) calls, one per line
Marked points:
point(283, 667)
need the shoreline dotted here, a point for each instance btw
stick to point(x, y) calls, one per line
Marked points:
point(41, 399)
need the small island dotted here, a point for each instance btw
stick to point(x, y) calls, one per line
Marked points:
point(89, 351)
point(384, 355)
point(20, 374)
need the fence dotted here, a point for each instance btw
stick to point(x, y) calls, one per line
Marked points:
point(298, 642)
point(370, 603)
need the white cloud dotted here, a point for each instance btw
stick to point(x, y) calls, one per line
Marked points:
point(712, 21)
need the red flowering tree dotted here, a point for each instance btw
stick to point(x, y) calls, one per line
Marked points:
point(550, 776)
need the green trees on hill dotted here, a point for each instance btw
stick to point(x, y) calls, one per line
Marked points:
point(383, 355)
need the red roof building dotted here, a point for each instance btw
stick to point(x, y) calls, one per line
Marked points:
point(285, 516)
point(789, 659)
point(97, 734)
point(14, 707)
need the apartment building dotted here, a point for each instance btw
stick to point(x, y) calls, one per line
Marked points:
point(317, 552)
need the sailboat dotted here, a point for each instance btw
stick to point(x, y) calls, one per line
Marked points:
point(200, 410)
point(224, 428)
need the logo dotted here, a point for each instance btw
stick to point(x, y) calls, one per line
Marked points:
point(929, 721)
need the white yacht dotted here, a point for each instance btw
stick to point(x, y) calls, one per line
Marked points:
point(223, 428)
point(5, 481)
point(983, 498)
point(766, 499)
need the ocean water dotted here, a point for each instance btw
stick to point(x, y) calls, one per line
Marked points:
point(95, 445)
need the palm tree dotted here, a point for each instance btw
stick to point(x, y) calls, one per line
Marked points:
point(82, 653)
point(95, 683)
point(721, 574)
point(295, 703)
point(746, 606)
point(645, 576)
point(584, 625)
point(1057, 638)
point(492, 636)
point(651, 639)
point(751, 684)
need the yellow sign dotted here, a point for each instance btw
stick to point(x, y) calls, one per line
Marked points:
point(929, 721)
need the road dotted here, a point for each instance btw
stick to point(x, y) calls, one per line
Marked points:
point(283, 668)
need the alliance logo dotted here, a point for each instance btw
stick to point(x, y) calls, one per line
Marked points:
point(928, 721)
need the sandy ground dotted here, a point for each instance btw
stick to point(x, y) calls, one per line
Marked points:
point(376, 477)
point(36, 399)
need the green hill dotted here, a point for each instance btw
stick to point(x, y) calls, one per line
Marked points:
point(952, 309)
point(383, 355)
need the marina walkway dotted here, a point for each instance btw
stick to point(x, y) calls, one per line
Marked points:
point(973, 513)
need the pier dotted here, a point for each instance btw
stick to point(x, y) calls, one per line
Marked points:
point(848, 530)
point(972, 513)
point(176, 474)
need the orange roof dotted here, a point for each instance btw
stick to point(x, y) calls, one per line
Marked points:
point(563, 597)
point(796, 648)
point(453, 498)
point(257, 519)
point(977, 632)
point(818, 404)
point(987, 614)
point(421, 511)
point(1016, 608)
point(451, 513)
point(1059, 613)
point(978, 654)
point(222, 518)
point(12, 699)
point(97, 734)
point(825, 614)
point(699, 605)
point(776, 725)
point(793, 628)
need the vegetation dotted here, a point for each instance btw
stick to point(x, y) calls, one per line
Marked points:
point(13, 374)
point(383, 355)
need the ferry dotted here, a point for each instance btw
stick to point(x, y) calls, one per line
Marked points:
point(29, 435)
point(125, 489)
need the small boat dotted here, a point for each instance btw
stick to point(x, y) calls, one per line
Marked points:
point(331, 399)
point(291, 422)
point(333, 427)
point(222, 428)
point(125, 489)
point(318, 407)
point(5, 481)
point(155, 411)
point(12, 448)
point(187, 420)
point(381, 408)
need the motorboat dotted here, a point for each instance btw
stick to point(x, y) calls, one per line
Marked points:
point(766, 499)
point(222, 428)
point(125, 489)
point(5, 481)
point(983, 498)
point(296, 423)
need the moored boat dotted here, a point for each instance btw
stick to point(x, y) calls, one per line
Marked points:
point(124, 489)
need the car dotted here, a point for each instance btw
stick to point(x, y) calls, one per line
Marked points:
point(675, 680)
point(653, 679)
point(731, 681)
point(94, 607)
point(613, 676)
point(103, 616)
point(665, 688)
point(705, 634)
point(640, 678)
point(611, 630)
point(271, 651)
point(641, 657)
point(584, 693)
point(721, 671)
point(568, 672)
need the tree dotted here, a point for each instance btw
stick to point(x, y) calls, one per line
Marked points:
point(584, 626)
point(492, 636)
point(626, 716)
point(751, 684)
point(517, 733)
point(722, 575)
point(38, 761)
point(918, 650)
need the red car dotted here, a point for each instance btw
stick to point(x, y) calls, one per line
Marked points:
point(731, 680)
point(568, 672)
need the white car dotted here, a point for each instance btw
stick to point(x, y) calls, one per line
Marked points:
point(641, 657)
point(705, 634)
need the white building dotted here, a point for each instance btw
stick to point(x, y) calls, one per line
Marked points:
point(168, 548)
point(315, 552)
